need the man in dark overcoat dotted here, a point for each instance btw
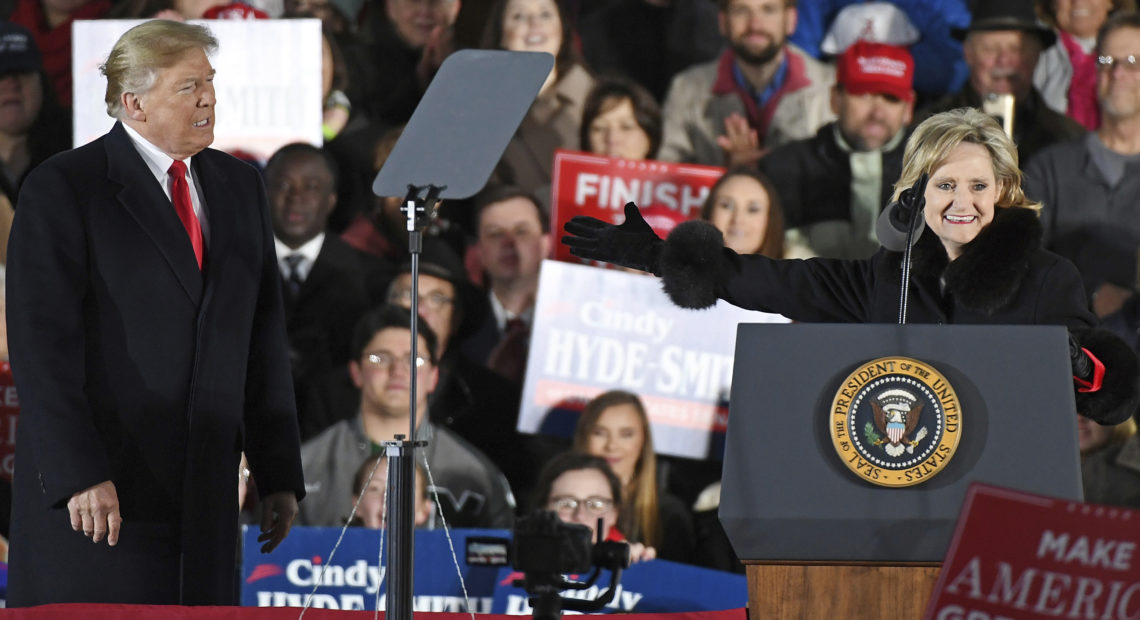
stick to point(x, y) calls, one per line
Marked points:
point(146, 324)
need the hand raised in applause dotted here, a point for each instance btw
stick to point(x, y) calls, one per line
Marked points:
point(740, 142)
point(95, 512)
point(277, 513)
point(633, 244)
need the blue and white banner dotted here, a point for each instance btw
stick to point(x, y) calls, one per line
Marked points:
point(355, 579)
point(602, 329)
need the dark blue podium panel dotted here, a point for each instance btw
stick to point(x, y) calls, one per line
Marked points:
point(787, 496)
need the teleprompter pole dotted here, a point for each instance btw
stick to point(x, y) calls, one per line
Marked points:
point(400, 509)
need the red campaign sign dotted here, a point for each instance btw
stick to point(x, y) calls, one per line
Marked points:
point(9, 411)
point(1017, 555)
point(598, 186)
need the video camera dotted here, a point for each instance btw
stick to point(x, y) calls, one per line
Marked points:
point(544, 550)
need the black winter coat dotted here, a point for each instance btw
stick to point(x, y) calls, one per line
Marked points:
point(813, 178)
point(135, 366)
point(1002, 277)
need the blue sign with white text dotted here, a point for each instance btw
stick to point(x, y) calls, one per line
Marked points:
point(355, 578)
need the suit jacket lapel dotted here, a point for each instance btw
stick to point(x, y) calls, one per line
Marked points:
point(220, 213)
point(329, 261)
point(147, 203)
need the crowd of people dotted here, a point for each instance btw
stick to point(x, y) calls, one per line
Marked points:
point(816, 130)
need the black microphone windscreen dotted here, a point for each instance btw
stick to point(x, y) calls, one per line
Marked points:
point(891, 236)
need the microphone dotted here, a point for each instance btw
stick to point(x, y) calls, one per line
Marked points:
point(894, 223)
point(891, 229)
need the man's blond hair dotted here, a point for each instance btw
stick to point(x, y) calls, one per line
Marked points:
point(142, 51)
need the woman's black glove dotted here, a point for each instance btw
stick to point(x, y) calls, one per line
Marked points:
point(633, 244)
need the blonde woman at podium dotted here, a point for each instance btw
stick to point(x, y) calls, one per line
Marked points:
point(977, 259)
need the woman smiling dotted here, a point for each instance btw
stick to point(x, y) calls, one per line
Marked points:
point(979, 261)
point(615, 427)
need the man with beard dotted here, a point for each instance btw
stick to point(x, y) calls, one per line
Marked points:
point(1091, 186)
point(1001, 47)
point(762, 92)
point(833, 185)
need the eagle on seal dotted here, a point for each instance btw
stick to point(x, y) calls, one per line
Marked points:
point(896, 415)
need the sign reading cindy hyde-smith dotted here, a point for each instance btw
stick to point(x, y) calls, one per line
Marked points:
point(354, 579)
point(601, 329)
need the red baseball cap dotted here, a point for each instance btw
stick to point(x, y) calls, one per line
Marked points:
point(877, 68)
point(234, 10)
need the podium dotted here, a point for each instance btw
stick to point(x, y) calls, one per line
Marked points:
point(819, 540)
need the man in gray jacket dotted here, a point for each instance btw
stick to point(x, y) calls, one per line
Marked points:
point(762, 92)
point(1090, 187)
point(472, 491)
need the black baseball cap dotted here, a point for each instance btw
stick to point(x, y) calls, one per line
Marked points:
point(18, 51)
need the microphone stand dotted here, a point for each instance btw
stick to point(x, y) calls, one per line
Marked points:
point(401, 452)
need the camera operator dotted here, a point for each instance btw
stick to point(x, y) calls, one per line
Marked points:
point(581, 488)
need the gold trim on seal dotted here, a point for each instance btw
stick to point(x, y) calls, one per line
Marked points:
point(867, 450)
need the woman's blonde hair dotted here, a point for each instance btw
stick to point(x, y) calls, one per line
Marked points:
point(142, 51)
point(641, 521)
point(933, 140)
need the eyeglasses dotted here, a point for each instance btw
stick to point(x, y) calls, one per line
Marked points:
point(1129, 63)
point(567, 506)
point(384, 360)
point(434, 301)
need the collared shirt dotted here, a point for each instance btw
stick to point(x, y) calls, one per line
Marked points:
point(158, 163)
point(502, 315)
point(309, 251)
point(790, 77)
point(1110, 163)
point(774, 86)
point(866, 185)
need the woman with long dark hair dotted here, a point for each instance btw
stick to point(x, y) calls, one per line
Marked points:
point(614, 426)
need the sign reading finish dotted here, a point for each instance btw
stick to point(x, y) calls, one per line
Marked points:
point(598, 186)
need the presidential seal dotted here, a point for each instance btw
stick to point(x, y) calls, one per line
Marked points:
point(895, 421)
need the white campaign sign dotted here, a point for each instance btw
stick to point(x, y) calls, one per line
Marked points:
point(268, 81)
point(601, 329)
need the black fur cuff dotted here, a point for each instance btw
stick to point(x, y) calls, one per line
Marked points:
point(691, 264)
point(1119, 395)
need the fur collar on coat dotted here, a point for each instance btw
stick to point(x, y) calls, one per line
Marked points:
point(992, 267)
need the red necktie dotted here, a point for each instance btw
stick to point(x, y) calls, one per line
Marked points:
point(184, 207)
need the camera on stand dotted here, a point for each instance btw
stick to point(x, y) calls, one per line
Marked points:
point(545, 550)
